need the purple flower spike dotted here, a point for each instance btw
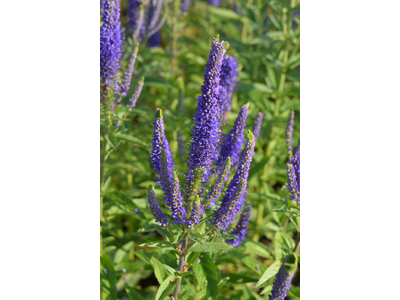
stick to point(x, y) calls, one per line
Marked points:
point(160, 149)
point(214, 2)
point(234, 196)
point(289, 131)
point(206, 130)
point(136, 94)
point(227, 83)
point(233, 140)
point(293, 175)
point(241, 227)
point(110, 42)
point(196, 212)
point(126, 81)
point(185, 5)
point(177, 210)
point(154, 40)
point(155, 207)
point(220, 182)
point(257, 125)
point(153, 23)
point(281, 284)
point(133, 14)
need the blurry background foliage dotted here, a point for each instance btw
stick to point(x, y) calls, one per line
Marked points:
point(264, 36)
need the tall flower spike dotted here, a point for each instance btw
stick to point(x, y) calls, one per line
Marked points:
point(281, 284)
point(215, 190)
point(155, 207)
point(241, 227)
point(257, 125)
point(153, 23)
point(206, 130)
point(289, 131)
point(293, 175)
point(233, 140)
point(136, 93)
point(126, 81)
point(177, 210)
point(110, 43)
point(228, 83)
point(234, 195)
point(133, 14)
point(160, 149)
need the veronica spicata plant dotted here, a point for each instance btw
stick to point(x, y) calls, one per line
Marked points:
point(207, 211)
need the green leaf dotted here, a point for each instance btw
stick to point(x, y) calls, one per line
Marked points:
point(294, 292)
point(257, 248)
point(131, 139)
point(207, 246)
point(224, 13)
point(165, 287)
point(211, 274)
point(160, 244)
point(132, 293)
point(169, 269)
point(266, 290)
point(269, 273)
point(200, 276)
point(111, 285)
point(159, 269)
point(288, 209)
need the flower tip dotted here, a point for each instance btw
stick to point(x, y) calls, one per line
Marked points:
point(250, 135)
point(247, 105)
point(228, 160)
point(158, 113)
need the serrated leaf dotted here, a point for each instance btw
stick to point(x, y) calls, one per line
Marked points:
point(165, 287)
point(294, 292)
point(287, 209)
point(200, 276)
point(270, 272)
point(208, 247)
point(210, 271)
point(131, 139)
point(169, 269)
point(159, 244)
point(257, 248)
point(159, 269)
point(266, 290)
point(132, 293)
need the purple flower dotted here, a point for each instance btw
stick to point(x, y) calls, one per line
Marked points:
point(257, 125)
point(196, 212)
point(293, 175)
point(133, 14)
point(136, 211)
point(161, 149)
point(214, 2)
point(281, 284)
point(220, 182)
point(136, 93)
point(126, 81)
point(177, 210)
point(228, 83)
point(155, 207)
point(110, 43)
point(289, 131)
point(206, 130)
point(233, 140)
point(235, 193)
point(185, 5)
point(154, 40)
point(123, 270)
point(105, 271)
point(241, 227)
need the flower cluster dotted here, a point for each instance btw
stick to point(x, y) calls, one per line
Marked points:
point(232, 201)
point(111, 37)
point(209, 153)
point(241, 227)
point(214, 2)
point(155, 207)
point(293, 175)
point(228, 83)
point(281, 284)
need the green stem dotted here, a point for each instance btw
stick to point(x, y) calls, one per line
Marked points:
point(181, 263)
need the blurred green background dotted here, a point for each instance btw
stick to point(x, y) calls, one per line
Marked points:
point(264, 37)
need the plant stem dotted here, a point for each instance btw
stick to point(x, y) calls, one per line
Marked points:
point(181, 264)
point(102, 166)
